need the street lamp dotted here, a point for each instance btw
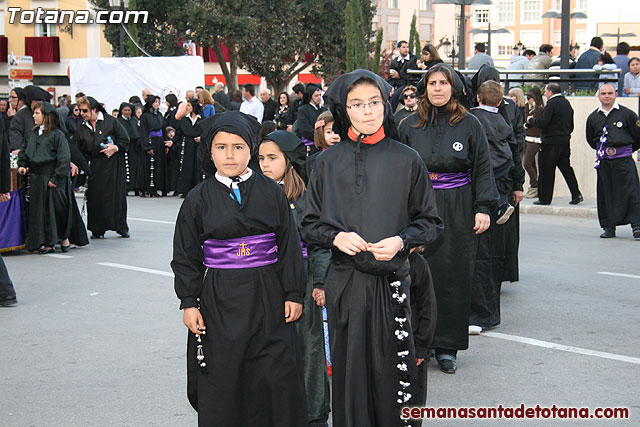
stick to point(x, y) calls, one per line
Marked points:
point(565, 28)
point(122, 5)
point(489, 32)
point(519, 47)
point(618, 35)
point(450, 50)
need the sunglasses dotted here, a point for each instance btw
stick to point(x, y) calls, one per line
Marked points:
point(409, 96)
point(84, 110)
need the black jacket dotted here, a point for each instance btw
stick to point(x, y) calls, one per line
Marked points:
point(21, 125)
point(402, 67)
point(556, 121)
point(270, 108)
point(623, 128)
point(5, 165)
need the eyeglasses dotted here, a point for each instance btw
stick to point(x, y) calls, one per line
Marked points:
point(361, 106)
point(409, 96)
point(84, 110)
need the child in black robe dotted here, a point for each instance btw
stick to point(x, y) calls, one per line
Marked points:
point(239, 274)
point(369, 200)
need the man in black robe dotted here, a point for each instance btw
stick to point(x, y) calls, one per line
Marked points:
point(249, 371)
point(369, 194)
point(17, 126)
point(7, 292)
point(613, 130)
point(104, 141)
point(308, 114)
point(133, 157)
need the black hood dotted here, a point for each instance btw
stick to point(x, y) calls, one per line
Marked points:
point(484, 74)
point(235, 122)
point(93, 103)
point(308, 93)
point(35, 93)
point(336, 98)
point(126, 104)
point(458, 85)
point(292, 147)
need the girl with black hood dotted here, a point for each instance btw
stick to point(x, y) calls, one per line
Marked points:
point(239, 274)
point(370, 201)
point(155, 144)
point(53, 214)
point(133, 157)
point(190, 156)
point(282, 158)
point(454, 148)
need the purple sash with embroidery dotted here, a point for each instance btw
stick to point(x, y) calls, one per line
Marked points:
point(307, 142)
point(241, 252)
point(618, 152)
point(448, 180)
point(155, 133)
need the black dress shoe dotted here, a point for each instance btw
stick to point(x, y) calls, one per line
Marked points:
point(97, 236)
point(9, 302)
point(576, 200)
point(608, 233)
point(124, 234)
point(448, 366)
point(538, 202)
point(46, 250)
point(65, 249)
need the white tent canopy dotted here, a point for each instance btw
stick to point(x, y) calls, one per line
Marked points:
point(113, 80)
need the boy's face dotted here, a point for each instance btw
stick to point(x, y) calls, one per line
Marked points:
point(230, 154)
point(171, 134)
point(365, 108)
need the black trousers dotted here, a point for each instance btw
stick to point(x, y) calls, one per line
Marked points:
point(550, 157)
point(6, 287)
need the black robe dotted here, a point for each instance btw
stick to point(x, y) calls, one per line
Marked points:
point(156, 173)
point(307, 117)
point(53, 212)
point(252, 374)
point(173, 156)
point(378, 191)
point(133, 158)
point(452, 258)
point(107, 192)
point(618, 190)
point(190, 170)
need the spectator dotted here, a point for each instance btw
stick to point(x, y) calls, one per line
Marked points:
point(556, 126)
point(517, 95)
point(251, 105)
point(520, 63)
point(622, 57)
point(410, 97)
point(62, 106)
point(190, 94)
point(220, 97)
point(298, 94)
point(115, 112)
point(282, 116)
point(145, 92)
point(4, 110)
point(430, 57)
point(534, 108)
point(632, 78)
point(270, 105)
point(479, 58)
point(541, 61)
point(605, 62)
point(205, 99)
point(399, 75)
point(199, 89)
point(587, 60)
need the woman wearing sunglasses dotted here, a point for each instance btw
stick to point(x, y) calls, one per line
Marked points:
point(410, 99)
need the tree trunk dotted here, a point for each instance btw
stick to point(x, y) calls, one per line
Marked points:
point(232, 82)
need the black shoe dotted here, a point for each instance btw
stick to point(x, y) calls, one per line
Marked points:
point(576, 200)
point(448, 366)
point(636, 232)
point(504, 213)
point(9, 302)
point(538, 202)
point(124, 234)
point(97, 236)
point(611, 232)
point(46, 250)
point(65, 249)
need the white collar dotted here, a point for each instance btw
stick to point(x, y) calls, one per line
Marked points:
point(488, 108)
point(193, 121)
point(616, 106)
point(404, 58)
point(233, 184)
point(40, 129)
point(100, 117)
point(411, 109)
point(557, 94)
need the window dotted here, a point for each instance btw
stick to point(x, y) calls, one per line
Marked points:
point(1, 23)
point(392, 33)
point(504, 50)
point(481, 16)
point(557, 5)
point(506, 12)
point(425, 4)
point(531, 11)
point(45, 30)
point(557, 38)
point(425, 33)
point(392, 4)
point(581, 5)
point(531, 39)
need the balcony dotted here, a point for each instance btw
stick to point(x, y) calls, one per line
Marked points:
point(42, 49)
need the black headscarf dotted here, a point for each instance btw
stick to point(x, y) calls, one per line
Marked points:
point(20, 94)
point(35, 93)
point(336, 97)
point(308, 93)
point(93, 103)
point(148, 103)
point(235, 122)
point(126, 104)
point(484, 74)
point(458, 86)
point(293, 148)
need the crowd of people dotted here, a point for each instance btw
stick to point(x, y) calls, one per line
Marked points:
point(391, 203)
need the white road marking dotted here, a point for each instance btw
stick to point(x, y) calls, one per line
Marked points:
point(151, 220)
point(607, 273)
point(561, 347)
point(59, 256)
point(93, 294)
point(134, 268)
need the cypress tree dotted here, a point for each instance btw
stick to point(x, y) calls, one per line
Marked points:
point(375, 64)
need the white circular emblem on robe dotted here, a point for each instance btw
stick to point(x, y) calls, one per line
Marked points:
point(619, 124)
point(457, 146)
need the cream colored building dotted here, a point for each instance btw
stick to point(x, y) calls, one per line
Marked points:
point(394, 17)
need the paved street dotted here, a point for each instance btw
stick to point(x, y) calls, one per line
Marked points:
point(97, 339)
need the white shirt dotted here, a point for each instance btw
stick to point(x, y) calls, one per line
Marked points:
point(605, 112)
point(254, 108)
point(228, 182)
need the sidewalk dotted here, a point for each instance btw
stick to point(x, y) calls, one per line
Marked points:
point(561, 206)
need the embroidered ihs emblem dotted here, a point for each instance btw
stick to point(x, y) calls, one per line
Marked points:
point(243, 251)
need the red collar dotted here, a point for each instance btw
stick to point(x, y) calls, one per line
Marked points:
point(371, 139)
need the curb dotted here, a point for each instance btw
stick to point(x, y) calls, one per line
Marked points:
point(575, 212)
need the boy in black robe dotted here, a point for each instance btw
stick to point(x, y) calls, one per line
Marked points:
point(240, 276)
point(369, 200)
point(613, 131)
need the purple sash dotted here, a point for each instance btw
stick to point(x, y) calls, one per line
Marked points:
point(618, 152)
point(448, 180)
point(155, 133)
point(303, 245)
point(307, 142)
point(241, 252)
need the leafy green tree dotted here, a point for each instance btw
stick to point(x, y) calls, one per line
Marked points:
point(355, 35)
